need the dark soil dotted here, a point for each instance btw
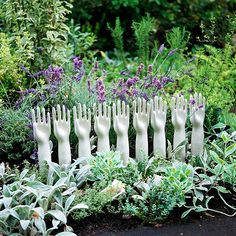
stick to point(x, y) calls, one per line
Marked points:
point(112, 225)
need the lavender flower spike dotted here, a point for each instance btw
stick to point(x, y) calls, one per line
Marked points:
point(161, 48)
point(172, 52)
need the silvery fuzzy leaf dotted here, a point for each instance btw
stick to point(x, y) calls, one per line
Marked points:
point(69, 191)
point(69, 202)
point(4, 214)
point(40, 211)
point(78, 206)
point(24, 224)
point(2, 169)
point(55, 223)
point(43, 202)
point(14, 214)
point(66, 234)
point(23, 173)
point(7, 201)
point(58, 215)
point(40, 224)
point(139, 197)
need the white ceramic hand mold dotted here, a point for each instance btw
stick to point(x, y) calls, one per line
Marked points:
point(61, 127)
point(197, 115)
point(121, 114)
point(179, 116)
point(82, 125)
point(42, 132)
point(158, 122)
point(141, 114)
point(102, 125)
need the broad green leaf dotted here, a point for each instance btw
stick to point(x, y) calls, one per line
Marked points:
point(222, 189)
point(219, 126)
point(217, 148)
point(225, 136)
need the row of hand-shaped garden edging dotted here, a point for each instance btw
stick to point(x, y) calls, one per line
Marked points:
point(142, 112)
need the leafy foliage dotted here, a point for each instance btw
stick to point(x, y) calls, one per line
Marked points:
point(142, 31)
point(28, 205)
point(44, 21)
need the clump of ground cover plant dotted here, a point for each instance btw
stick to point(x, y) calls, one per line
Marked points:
point(44, 200)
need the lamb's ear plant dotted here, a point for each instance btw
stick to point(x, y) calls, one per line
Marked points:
point(27, 204)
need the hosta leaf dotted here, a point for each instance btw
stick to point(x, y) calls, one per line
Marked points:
point(59, 215)
point(24, 224)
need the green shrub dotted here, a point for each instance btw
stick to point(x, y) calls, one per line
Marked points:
point(44, 21)
point(94, 199)
point(14, 51)
point(214, 76)
point(15, 135)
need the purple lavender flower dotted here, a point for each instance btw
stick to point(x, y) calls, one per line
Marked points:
point(123, 72)
point(161, 48)
point(150, 68)
point(200, 106)
point(192, 101)
point(95, 65)
point(140, 68)
point(145, 96)
point(172, 52)
point(77, 63)
point(165, 80)
point(156, 83)
point(135, 92)
point(78, 76)
point(100, 87)
point(132, 81)
point(37, 74)
point(53, 75)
